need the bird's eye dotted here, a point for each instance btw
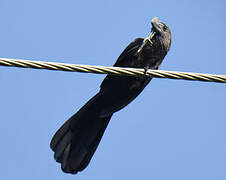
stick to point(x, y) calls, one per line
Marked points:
point(164, 28)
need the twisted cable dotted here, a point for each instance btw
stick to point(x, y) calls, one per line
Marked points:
point(112, 70)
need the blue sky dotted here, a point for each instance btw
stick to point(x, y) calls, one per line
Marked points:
point(174, 130)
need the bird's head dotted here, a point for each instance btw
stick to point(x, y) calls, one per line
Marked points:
point(162, 32)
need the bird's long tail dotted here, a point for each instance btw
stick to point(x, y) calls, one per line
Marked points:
point(76, 141)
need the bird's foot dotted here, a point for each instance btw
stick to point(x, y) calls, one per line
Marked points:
point(145, 70)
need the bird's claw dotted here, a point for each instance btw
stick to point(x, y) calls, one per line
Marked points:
point(146, 70)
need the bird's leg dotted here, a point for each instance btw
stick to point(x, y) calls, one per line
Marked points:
point(145, 70)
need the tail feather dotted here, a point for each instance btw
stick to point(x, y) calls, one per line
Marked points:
point(76, 141)
point(59, 135)
point(62, 145)
point(94, 145)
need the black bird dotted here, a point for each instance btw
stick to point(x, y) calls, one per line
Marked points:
point(76, 141)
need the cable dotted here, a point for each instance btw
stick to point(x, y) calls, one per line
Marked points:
point(112, 70)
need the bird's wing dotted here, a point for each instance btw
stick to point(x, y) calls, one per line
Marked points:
point(126, 59)
point(121, 90)
point(128, 53)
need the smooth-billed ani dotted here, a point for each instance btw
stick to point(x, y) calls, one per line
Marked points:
point(76, 141)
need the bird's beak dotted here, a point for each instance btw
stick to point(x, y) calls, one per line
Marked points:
point(155, 28)
point(150, 36)
point(156, 25)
